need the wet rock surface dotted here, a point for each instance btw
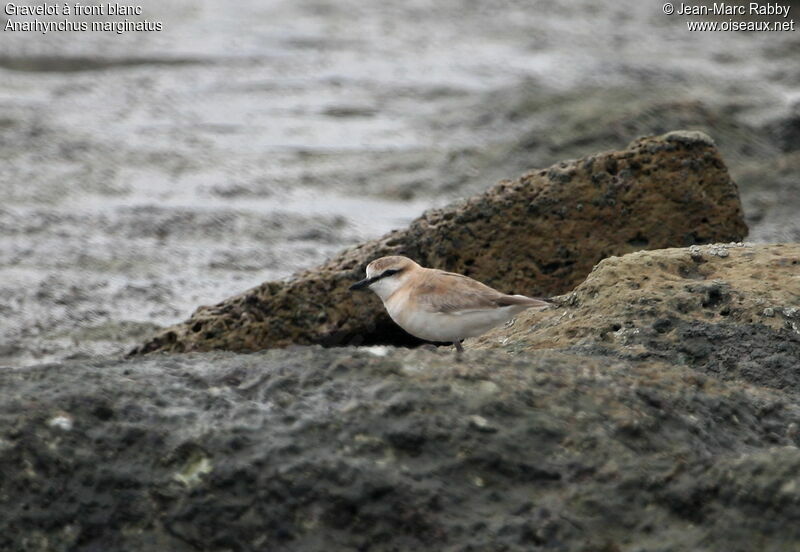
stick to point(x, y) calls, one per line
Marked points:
point(538, 235)
point(389, 449)
point(728, 310)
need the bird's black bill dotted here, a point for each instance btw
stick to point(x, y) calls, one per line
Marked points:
point(363, 284)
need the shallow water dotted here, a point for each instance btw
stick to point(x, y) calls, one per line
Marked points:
point(145, 174)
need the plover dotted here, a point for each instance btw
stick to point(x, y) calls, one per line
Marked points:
point(440, 306)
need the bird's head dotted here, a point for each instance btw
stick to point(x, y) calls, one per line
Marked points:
point(385, 275)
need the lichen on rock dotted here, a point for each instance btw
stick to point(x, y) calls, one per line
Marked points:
point(726, 309)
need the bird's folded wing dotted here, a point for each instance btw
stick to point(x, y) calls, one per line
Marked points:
point(468, 295)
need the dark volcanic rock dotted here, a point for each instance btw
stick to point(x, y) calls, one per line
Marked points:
point(540, 234)
point(732, 311)
point(342, 449)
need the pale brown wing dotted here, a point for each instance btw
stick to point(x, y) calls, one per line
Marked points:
point(448, 292)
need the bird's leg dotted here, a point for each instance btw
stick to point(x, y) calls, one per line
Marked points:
point(459, 348)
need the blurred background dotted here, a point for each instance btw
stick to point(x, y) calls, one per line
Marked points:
point(146, 173)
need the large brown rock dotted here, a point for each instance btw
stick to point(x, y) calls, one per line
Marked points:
point(731, 311)
point(539, 235)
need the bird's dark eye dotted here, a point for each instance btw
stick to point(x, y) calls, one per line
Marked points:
point(389, 272)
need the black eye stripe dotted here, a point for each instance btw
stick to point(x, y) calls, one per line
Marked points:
point(385, 273)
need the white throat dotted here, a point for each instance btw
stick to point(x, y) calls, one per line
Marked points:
point(385, 287)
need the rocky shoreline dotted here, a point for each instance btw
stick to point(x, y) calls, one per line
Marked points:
point(654, 407)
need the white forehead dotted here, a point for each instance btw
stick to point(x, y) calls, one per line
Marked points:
point(379, 266)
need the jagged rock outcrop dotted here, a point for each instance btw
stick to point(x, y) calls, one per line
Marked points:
point(538, 235)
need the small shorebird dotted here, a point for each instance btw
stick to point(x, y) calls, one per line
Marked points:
point(440, 306)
